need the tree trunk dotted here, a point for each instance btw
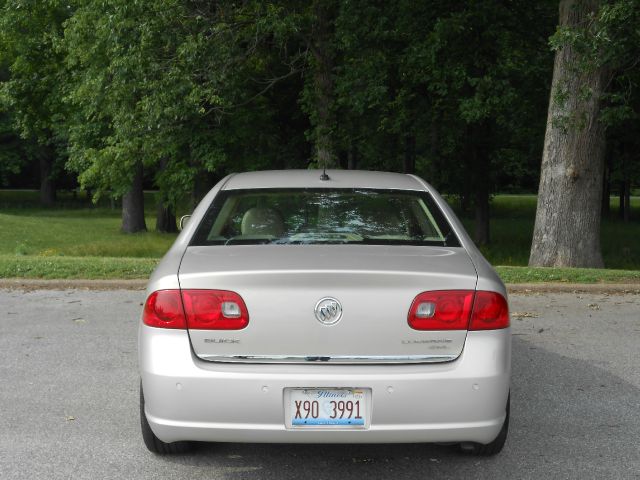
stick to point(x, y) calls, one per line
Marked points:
point(409, 160)
point(482, 236)
point(627, 201)
point(606, 194)
point(133, 205)
point(323, 85)
point(621, 196)
point(352, 158)
point(625, 191)
point(478, 177)
point(201, 186)
point(47, 183)
point(606, 187)
point(434, 160)
point(465, 203)
point(165, 214)
point(567, 226)
point(165, 219)
point(481, 186)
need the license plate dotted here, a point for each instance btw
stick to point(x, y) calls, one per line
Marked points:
point(327, 407)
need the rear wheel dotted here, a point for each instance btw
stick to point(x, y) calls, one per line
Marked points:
point(495, 446)
point(153, 443)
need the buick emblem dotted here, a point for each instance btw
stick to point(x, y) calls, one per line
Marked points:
point(328, 310)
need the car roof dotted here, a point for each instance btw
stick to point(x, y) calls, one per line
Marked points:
point(311, 179)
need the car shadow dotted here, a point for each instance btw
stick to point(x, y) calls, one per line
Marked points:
point(569, 419)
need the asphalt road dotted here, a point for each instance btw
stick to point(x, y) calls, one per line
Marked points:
point(69, 400)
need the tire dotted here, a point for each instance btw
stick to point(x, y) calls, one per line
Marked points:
point(153, 443)
point(494, 447)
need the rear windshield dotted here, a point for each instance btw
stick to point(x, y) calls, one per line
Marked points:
point(324, 216)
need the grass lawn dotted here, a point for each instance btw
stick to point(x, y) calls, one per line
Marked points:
point(84, 241)
point(79, 230)
point(77, 233)
point(30, 266)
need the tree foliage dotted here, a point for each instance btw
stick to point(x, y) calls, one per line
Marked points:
point(30, 32)
point(192, 89)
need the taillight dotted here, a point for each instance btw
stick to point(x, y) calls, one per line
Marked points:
point(163, 309)
point(490, 311)
point(214, 310)
point(458, 310)
point(197, 309)
point(441, 310)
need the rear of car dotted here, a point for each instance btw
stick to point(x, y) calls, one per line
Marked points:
point(349, 310)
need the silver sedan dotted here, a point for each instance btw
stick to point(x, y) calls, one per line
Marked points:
point(340, 307)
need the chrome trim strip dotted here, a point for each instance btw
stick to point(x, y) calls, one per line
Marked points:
point(335, 359)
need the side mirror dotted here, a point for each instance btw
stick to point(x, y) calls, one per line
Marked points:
point(183, 221)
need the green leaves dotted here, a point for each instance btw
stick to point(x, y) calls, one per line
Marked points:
point(208, 88)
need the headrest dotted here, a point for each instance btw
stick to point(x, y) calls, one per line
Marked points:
point(262, 221)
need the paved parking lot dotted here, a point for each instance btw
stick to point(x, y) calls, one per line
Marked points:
point(69, 399)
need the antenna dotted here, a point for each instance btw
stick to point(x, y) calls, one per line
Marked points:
point(324, 177)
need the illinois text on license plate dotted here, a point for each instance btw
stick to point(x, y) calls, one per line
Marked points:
point(343, 407)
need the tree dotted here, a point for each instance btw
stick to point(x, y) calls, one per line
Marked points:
point(189, 99)
point(12, 151)
point(322, 65)
point(618, 40)
point(412, 94)
point(593, 40)
point(29, 35)
point(175, 94)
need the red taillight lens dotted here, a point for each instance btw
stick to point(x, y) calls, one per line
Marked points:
point(490, 311)
point(214, 310)
point(441, 310)
point(163, 309)
point(203, 310)
point(459, 310)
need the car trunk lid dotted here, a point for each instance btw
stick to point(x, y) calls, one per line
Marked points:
point(282, 286)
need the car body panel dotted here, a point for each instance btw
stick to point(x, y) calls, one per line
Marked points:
point(311, 179)
point(281, 284)
point(191, 399)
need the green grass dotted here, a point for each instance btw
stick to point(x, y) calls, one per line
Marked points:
point(84, 241)
point(12, 266)
point(566, 275)
point(79, 233)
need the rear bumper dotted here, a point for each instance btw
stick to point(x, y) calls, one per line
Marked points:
point(190, 399)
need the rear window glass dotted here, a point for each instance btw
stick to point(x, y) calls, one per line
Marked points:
point(324, 216)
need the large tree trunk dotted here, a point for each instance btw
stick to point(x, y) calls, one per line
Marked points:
point(133, 205)
point(323, 85)
point(567, 227)
point(47, 183)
